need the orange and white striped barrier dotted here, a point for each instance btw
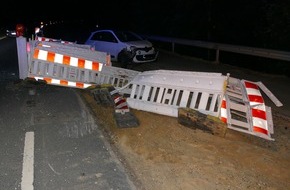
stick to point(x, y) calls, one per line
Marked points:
point(75, 63)
point(71, 50)
point(67, 60)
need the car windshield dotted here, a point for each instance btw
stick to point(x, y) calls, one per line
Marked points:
point(126, 36)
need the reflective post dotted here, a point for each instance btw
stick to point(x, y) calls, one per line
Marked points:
point(22, 57)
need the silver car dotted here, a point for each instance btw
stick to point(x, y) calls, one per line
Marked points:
point(123, 46)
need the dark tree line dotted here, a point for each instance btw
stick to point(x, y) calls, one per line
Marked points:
point(263, 23)
point(258, 23)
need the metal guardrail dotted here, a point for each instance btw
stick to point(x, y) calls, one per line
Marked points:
point(261, 52)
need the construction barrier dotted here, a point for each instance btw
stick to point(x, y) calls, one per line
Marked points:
point(73, 65)
point(238, 103)
point(243, 108)
point(164, 91)
point(68, 51)
point(64, 64)
point(120, 78)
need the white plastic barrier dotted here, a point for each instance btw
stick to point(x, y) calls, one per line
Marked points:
point(45, 39)
point(120, 78)
point(164, 91)
point(244, 110)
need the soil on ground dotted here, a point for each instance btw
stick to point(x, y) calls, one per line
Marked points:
point(162, 154)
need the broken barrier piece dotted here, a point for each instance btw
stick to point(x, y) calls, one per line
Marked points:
point(126, 120)
point(108, 96)
point(196, 120)
point(103, 97)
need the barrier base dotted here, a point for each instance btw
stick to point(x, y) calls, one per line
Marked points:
point(196, 120)
point(103, 97)
point(126, 120)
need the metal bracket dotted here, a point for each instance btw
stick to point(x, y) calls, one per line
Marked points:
point(269, 94)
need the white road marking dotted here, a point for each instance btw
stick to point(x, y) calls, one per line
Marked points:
point(28, 162)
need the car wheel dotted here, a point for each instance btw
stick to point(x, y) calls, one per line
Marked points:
point(124, 58)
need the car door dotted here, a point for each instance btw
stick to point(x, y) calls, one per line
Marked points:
point(105, 41)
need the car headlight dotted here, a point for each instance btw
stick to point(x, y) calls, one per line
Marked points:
point(132, 48)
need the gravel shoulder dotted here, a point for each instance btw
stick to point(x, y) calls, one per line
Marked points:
point(162, 154)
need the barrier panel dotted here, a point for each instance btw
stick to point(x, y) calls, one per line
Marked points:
point(38, 38)
point(244, 109)
point(53, 72)
point(164, 91)
point(70, 50)
point(120, 78)
point(73, 65)
point(57, 64)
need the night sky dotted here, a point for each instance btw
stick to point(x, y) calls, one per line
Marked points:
point(258, 23)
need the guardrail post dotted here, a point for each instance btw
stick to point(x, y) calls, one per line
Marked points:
point(217, 55)
point(173, 47)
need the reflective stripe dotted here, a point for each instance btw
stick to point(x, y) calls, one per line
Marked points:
point(43, 39)
point(67, 60)
point(258, 108)
point(260, 125)
point(260, 130)
point(224, 111)
point(254, 99)
point(250, 85)
point(259, 113)
point(63, 82)
point(121, 104)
